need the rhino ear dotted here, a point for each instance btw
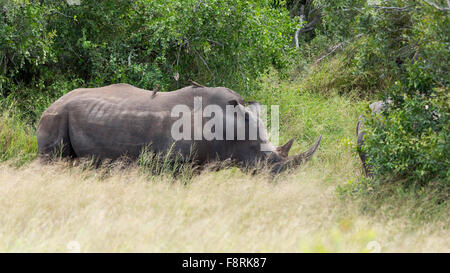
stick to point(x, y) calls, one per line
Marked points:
point(284, 149)
point(255, 107)
point(233, 102)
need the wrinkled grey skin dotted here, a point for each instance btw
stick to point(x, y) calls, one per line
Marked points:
point(120, 120)
point(376, 108)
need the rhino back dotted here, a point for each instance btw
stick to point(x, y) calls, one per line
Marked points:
point(121, 119)
point(115, 121)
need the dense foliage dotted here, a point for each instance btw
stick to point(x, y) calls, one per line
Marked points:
point(411, 142)
point(50, 47)
point(399, 51)
point(396, 50)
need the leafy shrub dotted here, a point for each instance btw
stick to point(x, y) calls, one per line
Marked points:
point(339, 17)
point(351, 27)
point(25, 45)
point(49, 47)
point(411, 142)
point(341, 75)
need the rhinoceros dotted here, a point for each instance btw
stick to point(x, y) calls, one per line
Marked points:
point(376, 108)
point(120, 120)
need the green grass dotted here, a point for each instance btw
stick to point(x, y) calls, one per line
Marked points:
point(305, 115)
point(18, 144)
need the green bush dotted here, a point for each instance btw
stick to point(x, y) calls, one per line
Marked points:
point(397, 50)
point(25, 45)
point(410, 143)
point(49, 47)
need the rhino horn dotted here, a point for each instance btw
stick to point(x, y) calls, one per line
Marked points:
point(284, 149)
point(296, 160)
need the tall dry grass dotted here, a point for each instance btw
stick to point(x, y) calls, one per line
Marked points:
point(72, 207)
point(61, 208)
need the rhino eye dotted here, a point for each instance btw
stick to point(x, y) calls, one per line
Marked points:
point(233, 102)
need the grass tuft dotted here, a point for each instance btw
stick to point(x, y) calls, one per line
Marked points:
point(18, 143)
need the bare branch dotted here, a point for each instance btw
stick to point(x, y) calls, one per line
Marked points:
point(333, 49)
point(392, 8)
point(387, 9)
point(297, 32)
point(215, 42)
point(205, 63)
point(336, 47)
point(129, 58)
point(196, 84)
point(292, 11)
point(60, 13)
point(436, 6)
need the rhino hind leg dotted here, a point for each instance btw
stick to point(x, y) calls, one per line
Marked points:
point(53, 138)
